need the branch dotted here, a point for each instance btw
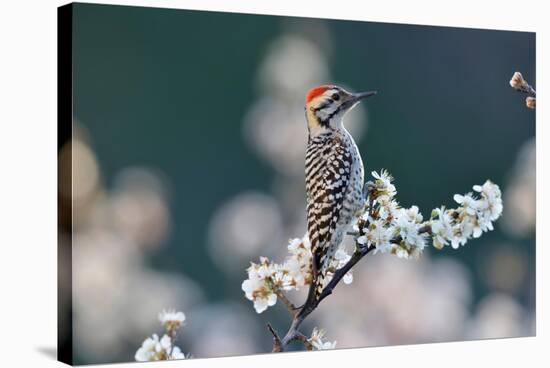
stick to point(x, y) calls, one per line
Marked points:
point(299, 315)
point(385, 227)
point(341, 272)
point(293, 333)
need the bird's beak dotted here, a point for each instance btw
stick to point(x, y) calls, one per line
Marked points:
point(362, 95)
point(355, 98)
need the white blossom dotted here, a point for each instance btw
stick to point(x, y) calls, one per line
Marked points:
point(383, 232)
point(407, 227)
point(260, 286)
point(442, 228)
point(381, 225)
point(298, 263)
point(378, 234)
point(383, 184)
point(296, 273)
point(341, 257)
point(467, 202)
point(153, 349)
point(171, 318)
point(316, 340)
point(176, 354)
point(266, 279)
point(388, 209)
point(471, 219)
point(464, 228)
point(164, 344)
point(348, 278)
point(300, 248)
point(490, 203)
point(413, 214)
point(147, 351)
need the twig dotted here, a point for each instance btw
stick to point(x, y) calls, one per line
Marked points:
point(304, 339)
point(519, 84)
point(527, 88)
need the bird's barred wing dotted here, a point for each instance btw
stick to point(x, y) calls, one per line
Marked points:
point(327, 180)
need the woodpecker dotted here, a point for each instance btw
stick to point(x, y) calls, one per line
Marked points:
point(334, 175)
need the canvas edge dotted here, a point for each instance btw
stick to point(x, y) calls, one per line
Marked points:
point(64, 184)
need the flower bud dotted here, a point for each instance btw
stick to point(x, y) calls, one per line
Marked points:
point(531, 102)
point(517, 81)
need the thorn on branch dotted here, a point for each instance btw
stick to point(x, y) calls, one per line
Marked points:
point(277, 346)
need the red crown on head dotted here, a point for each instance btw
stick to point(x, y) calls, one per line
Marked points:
point(316, 91)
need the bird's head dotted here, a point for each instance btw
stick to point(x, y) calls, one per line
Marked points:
point(326, 105)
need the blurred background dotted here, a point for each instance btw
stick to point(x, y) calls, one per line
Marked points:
point(187, 155)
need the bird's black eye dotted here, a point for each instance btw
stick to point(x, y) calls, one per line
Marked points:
point(335, 96)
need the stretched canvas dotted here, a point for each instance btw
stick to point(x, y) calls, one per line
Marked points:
point(234, 184)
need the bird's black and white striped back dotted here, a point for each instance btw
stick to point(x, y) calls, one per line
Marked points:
point(333, 180)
